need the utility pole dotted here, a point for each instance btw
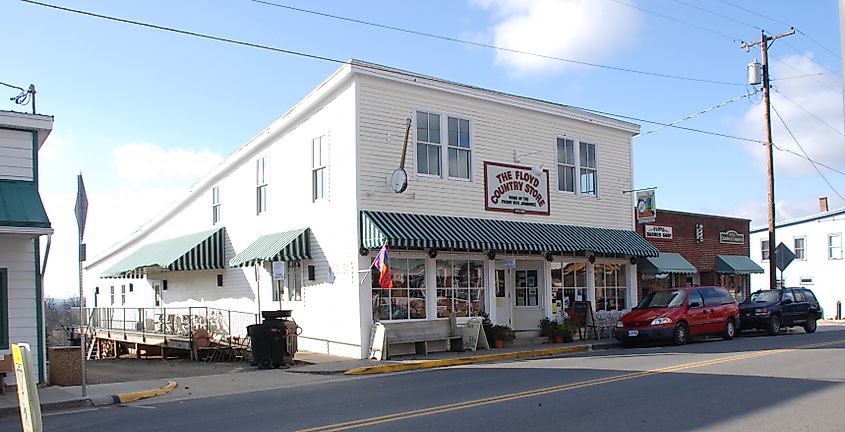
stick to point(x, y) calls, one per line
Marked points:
point(770, 165)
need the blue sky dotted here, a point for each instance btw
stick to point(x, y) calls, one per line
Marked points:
point(143, 113)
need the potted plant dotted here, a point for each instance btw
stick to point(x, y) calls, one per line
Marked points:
point(499, 334)
point(564, 333)
point(547, 328)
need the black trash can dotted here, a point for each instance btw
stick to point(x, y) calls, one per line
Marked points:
point(268, 340)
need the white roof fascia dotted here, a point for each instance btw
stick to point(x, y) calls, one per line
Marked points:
point(25, 231)
point(35, 122)
point(810, 218)
point(264, 139)
point(532, 104)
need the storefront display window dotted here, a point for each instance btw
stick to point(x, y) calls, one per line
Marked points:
point(611, 286)
point(406, 300)
point(569, 283)
point(460, 288)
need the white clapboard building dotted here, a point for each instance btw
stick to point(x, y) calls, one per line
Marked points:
point(816, 242)
point(23, 223)
point(499, 204)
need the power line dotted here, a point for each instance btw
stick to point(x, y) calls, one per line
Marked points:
point(12, 86)
point(753, 12)
point(666, 17)
point(700, 113)
point(808, 112)
point(490, 46)
point(371, 66)
point(819, 44)
point(717, 14)
point(806, 155)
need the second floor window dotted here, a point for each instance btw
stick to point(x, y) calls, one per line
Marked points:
point(565, 165)
point(319, 170)
point(800, 248)
point(834, 246)
point(459, 148)
point(261, 185)
point(589, 175)
point(428, 143)
point(764, 249)
point(215, 205)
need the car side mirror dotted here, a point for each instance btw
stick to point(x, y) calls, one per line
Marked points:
point(786, 301)
point(694, 304)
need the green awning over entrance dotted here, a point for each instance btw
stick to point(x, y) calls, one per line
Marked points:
point(736, 264)
point(198, 251)
point(285, 246)
point(417, 231)
point(20, 205)
point(667, 262)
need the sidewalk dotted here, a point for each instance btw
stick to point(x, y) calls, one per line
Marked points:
point(318, 368)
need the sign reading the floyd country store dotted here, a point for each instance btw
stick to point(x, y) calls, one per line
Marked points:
point(516, 189)
point(731, 237)
point(658, 232)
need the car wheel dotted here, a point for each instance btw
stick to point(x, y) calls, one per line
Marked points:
point(730, 330)
point(774, 325)
point(811, 324)
point(680, 334)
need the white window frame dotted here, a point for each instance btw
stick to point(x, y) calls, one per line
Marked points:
point(122, 295)
point(216, 208)
point(834, 251)
point(595, 169)
point(444, 145)
point(561, 165)
point(802, 256)
point(766, 252)
point(448, 147)
point(112, 294)
point(293, 281)
point(262, 182)
point(320, 167)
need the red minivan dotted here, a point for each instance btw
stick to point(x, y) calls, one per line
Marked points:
point(679, 314)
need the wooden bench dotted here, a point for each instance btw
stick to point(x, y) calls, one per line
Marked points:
point(7, 366)
point(425, 335)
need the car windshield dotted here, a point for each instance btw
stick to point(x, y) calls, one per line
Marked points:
point(662, 299)
point(766, 296)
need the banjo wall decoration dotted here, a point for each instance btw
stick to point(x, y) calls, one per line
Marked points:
point(399, 178)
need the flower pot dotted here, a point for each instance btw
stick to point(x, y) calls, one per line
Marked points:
point(498, 343)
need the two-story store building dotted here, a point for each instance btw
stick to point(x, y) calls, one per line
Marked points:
point(23, 222)
point(816, 242)
point(488, 203)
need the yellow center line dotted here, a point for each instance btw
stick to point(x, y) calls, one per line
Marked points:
point(554, 389)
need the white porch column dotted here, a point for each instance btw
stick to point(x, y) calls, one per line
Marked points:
point(490, 288)
point(547, 288)
point(591, 284)
point(631, 292)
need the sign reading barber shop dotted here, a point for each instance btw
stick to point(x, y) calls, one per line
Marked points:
point(516, 189)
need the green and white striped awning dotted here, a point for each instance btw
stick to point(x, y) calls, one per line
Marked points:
point(285, 246)
point(198, 251)
point(417, 231)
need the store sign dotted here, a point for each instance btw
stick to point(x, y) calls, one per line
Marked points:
point(658, 232)
point(731, 237)
point(646, 207)
point(516, 189)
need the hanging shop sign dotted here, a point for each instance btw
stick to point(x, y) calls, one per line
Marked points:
point(658, 232)
point(731, 237)
point(646, 208)
point(516, 189)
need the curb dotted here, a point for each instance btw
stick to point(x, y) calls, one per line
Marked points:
point(48, 407)
point(133, 396)
point(429, 364)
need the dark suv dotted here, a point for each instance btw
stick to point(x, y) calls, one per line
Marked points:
point(770, 310)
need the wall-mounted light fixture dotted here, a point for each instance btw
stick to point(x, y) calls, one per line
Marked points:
point(219, 280)
point(363, 251)
point(536, 169)
point(432, 252)
point(491, 254)
point(633, 260)
point(549, 257)
point(592, 259)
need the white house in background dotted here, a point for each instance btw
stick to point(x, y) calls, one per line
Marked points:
point(22, 223)
point(816, 241)
point(507, 204)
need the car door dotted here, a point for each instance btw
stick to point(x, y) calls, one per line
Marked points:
point(713, 310)
point(802, 307)
point(788, 307)
point(696, 317)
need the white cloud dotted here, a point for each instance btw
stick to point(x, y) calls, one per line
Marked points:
point(140, 162)
point(822, 140)
point(583, 30)
point(57, 147)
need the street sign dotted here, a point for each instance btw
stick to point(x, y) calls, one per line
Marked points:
point(783, 256)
